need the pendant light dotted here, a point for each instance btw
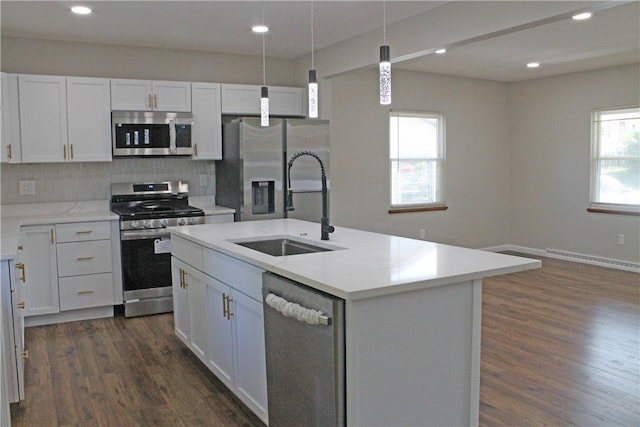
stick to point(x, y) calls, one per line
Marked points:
point(313, 82)
point(264, 92)
point(385, 63)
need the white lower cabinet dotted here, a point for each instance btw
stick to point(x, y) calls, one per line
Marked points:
point(12, 343)
point(189, 307)
point(222, 307)
point(37, 253)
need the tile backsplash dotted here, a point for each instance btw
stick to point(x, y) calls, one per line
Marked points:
point(72, 182)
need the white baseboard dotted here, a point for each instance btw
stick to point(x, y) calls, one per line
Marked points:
point(569, 256)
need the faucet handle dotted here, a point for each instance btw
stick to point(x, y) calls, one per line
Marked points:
point(289, 201)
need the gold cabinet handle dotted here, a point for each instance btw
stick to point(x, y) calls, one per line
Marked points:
point(64, 151)
point(9, 151)
point(155, 101)
point(53, 240)
point(71, 145)
point(184, 278)
point(195, 150)
point(25, 354)
point(226, 306)
point(23, 276)
point(84, 231)
point(86, 292)
point(21, 305)
point(84, 258)
point(149, 102)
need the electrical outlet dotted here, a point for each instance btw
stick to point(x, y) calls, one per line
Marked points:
point(621, 239)
point(27, 188)
point(203, 180)
point(423, 233)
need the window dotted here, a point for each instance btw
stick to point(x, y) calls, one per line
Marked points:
point(416, 158)
point(615, 162)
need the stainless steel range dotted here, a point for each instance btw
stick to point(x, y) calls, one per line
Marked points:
point(145, 210)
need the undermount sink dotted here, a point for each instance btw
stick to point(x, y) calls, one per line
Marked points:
point(283, 245)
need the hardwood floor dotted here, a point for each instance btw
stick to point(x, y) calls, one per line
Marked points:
point(560, 346)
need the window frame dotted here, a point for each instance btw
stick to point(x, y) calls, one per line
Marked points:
point(594, 167)
point(440, 160)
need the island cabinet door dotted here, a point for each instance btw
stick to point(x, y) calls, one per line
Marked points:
point(180, 301)
point(219, 330)
point(251, 367)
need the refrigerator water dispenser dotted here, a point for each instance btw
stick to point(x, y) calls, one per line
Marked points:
point(263, 193)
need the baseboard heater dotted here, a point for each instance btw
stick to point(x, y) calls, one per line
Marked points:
point(594, 260)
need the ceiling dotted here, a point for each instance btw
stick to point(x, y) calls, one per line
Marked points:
point(611, 37)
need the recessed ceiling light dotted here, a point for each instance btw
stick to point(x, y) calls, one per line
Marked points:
point(533, 65)
point(581, 16)
point(441, 51)
point(80, 10)
point(260, 28)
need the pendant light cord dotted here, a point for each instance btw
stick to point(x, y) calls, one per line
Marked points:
point(384, 22)
point(312, 22)
point(264, 67)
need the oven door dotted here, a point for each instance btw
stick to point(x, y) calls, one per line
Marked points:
point(146, 271)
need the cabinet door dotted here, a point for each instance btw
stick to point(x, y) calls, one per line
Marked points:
point(240, 99)
point(171, 96)
point(251, 370)
point(40, 270)
point(220, 338)
point(43, 118)
point(11, 148)
point(197, 306)
point(286, 101)
point(131, 95)
point(89, 117)
point(207, 127)
point(180, 300)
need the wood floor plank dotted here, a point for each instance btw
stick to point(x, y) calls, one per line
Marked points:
point(560, 347)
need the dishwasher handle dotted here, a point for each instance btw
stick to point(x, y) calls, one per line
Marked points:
point(296, 311)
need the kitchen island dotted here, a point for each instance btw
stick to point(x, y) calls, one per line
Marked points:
point(412, 312)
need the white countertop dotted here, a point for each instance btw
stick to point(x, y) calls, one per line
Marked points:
point(370, 264)
point(14, 216)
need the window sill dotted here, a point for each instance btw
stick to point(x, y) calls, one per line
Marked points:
point(617, 211)
point(418, 209)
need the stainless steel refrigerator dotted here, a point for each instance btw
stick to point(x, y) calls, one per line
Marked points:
point(252, 175)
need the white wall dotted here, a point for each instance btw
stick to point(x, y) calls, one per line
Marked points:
point(477, 171)
point(550, 128)
point(31, 56)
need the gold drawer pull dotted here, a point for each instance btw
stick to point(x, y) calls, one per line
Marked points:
point(21, 305)
point(87, 292)
point(84, 258)
point(84, 231)
point(25, 354)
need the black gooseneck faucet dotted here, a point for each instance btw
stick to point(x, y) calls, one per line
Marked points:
point(325, 228)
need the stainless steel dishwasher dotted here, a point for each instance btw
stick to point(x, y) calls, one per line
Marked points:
point(304, 340)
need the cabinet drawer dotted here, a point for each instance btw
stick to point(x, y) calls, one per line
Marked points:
point(238, 274)
point(187, 251)
point(94, 290)
point(83, 231)
point(84, 258)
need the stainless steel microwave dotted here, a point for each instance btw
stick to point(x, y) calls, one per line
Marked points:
point(143, 133)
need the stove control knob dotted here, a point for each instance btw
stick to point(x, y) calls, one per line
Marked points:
point(163, 223)
point(181, 221)
point(192, 221)
point(146, 223)
point(135, 224)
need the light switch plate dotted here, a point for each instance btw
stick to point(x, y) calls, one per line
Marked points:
point(27, 188)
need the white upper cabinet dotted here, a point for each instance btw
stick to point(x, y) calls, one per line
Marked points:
point(89, 117)
point(206, 132)
point(245, 99)
point(64, 119)
point(43, 118)
point(11, 150)
point(146, 95)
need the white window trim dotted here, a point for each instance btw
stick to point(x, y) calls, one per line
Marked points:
point(600, 207)
point(413, 207)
